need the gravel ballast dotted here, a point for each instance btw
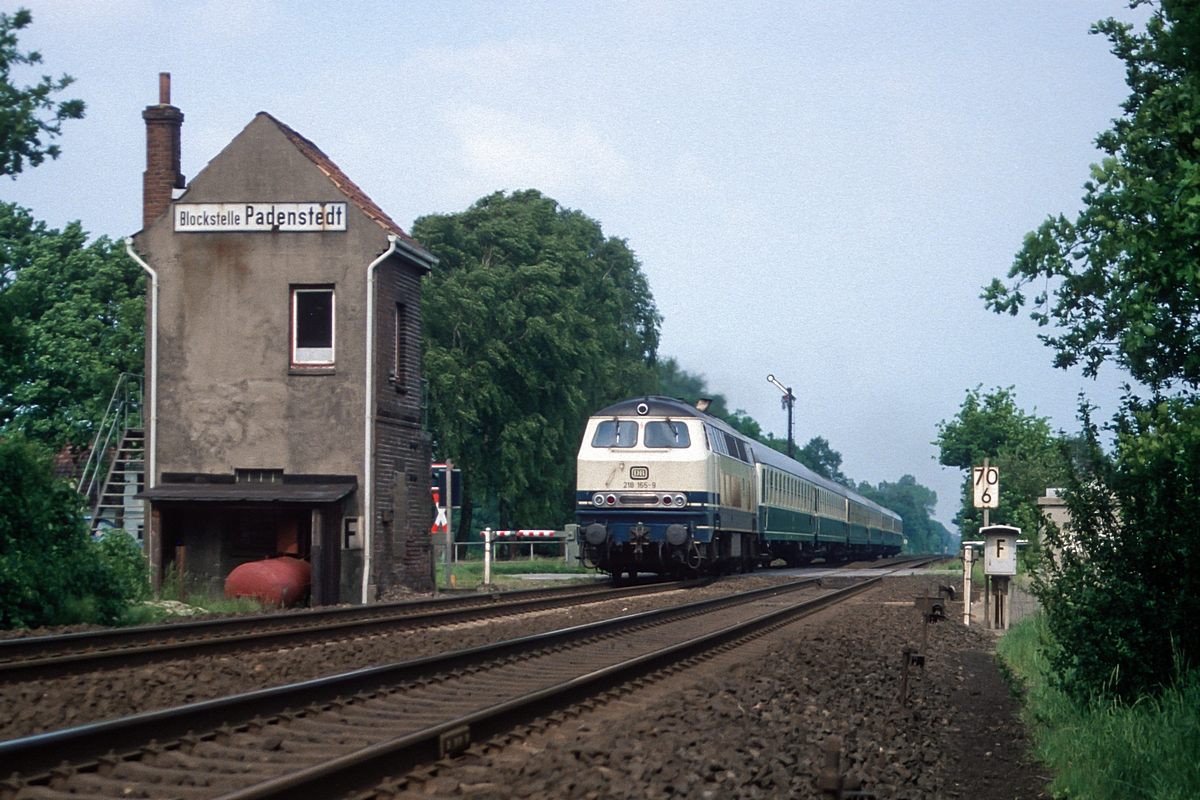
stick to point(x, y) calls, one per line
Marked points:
point(754, 723)
point(37, 706)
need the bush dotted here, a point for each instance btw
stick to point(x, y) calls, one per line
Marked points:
point(1120, 589)
point(124, 560)
point(51, 573)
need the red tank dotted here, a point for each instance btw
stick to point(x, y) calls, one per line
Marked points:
point(276, 581)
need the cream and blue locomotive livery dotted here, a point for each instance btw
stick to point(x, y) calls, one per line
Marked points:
point(664, 487)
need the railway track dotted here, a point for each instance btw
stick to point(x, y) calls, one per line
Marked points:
point(907, 562)
point(39, 657)
point(320, 738)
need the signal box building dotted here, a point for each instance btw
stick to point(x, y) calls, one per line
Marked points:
point(282, 384)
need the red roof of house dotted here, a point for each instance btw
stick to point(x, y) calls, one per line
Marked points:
point(343, 183)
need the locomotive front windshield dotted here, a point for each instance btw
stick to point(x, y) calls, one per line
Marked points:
point(615, 433)
point(667, 434)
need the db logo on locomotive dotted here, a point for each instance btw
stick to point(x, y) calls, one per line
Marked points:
point(639, 473)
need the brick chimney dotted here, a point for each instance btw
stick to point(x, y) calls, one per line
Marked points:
point(162, 174)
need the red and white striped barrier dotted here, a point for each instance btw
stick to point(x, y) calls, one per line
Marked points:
point(538, 532)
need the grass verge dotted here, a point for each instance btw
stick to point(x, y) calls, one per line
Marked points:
point(145, 613)
point(1106, 750)
point(469, 574)
point(955, 567)
point(195, 598)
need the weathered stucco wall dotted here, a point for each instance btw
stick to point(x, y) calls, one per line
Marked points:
point(227, 397)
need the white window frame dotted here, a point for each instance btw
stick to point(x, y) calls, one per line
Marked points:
point(314, 356)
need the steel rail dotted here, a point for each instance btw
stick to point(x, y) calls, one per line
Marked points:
point(369, 765)
point(45, 656)
point(908, 562)
point(83, 745)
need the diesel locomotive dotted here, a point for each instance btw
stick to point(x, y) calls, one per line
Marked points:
point(664, 487)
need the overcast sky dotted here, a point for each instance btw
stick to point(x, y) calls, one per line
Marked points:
point(817, 190)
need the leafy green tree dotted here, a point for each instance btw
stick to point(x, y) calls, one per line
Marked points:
point(822, 459)
point(72, 318)
point(915, 504)
point(1120, 280)
point(1022, 446)
point(51, 573)
point(532, 320)
point(28, 114)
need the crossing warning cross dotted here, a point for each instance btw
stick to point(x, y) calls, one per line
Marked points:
point(441, 524)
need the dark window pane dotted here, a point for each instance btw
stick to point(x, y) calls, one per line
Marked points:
point(667, 434)
point(314, 319)
point(731, 446)
point(615, 433)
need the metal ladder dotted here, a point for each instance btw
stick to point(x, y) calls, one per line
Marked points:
point(119, 454)
point(116, 506)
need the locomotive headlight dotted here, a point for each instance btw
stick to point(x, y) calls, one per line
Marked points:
point(597, 499)
point(680, 500)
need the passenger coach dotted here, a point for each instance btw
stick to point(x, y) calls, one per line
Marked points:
point(665, 487)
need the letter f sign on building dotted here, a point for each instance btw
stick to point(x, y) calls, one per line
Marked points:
point(986, 480)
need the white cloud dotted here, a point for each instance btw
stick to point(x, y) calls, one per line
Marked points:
point(505, 150)
point(486, 64)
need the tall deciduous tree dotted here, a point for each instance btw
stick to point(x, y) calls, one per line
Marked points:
point(1023, 446)
point(915, 504)
point(29, 114)
point(72, 317)
point(1121, 279)
point(532, 320)
point(822, 459)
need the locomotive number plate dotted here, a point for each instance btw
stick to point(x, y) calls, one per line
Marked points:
point(639, 473)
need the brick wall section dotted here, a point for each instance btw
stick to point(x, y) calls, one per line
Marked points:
point(162, 160)
point(403, 507)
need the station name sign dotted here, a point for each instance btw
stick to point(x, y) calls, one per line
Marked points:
point(218, 217)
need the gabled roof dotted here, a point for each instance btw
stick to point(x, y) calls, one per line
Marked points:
point(343, 183)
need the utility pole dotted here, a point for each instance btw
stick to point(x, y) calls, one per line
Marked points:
point(449, 520)
point(789, 403)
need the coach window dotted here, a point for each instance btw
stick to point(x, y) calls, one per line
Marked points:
point(667, 434)
point(312, 326)
point(615, 433)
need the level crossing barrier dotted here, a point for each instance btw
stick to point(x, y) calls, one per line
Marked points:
point(519, 540)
